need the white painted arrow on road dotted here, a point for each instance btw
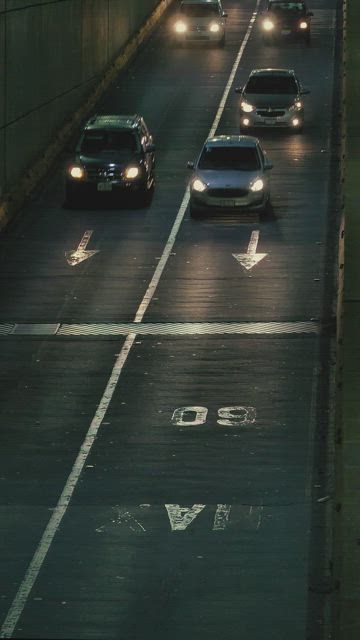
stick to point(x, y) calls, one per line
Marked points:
point(251, 258)
point(80, 254)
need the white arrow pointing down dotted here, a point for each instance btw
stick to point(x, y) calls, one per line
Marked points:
point(80, 254)
point(251, 258)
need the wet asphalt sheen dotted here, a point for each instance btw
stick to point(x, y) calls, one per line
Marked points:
point(207, 530)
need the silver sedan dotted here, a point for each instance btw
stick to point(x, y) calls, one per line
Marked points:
point(230, 173)
point(272, 98)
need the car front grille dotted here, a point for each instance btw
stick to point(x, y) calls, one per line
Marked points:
point(98, 174)
point(198, 28)
point(274, 113)
point(227, 193)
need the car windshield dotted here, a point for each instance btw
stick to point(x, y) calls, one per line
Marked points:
point(200, 10)
point(97, 141)
point(271, 84)
point(229, 159)
point(287, 6)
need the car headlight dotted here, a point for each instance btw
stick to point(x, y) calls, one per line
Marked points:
point(180, 26)
point(214, 27)
point(198, 185)
point(245, 106)
point(131, 173)
point(257, 185)
point(77, 172)
point(268, 25)
point(303, 25)
point(297, 105)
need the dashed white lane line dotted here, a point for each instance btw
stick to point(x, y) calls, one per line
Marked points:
point(159, 328)
point(36, 563)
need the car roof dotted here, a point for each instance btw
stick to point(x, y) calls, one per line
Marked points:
point(232, 141)
point(129, 122)
point(271, 2)
point(272, 72)
point(199, 1)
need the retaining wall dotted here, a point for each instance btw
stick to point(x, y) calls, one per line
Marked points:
point(52, 54)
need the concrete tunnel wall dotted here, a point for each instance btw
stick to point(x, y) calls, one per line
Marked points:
point(52, 52)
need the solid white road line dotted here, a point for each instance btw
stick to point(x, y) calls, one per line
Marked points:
point(36, 563)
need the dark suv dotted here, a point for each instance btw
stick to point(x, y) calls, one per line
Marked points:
point(283, 18)
point(115, 155)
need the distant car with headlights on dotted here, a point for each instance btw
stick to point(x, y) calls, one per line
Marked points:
point(286, 19)
point(115, 155)
point(200, 21)
point(231, 173)
point(272, 98)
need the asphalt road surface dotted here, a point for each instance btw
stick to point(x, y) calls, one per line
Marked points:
point(164, 458)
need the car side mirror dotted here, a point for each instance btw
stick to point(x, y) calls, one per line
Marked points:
point(238, 89)
point(150, 148)
point(191, 165)
point(224, 14)
point(309, 13)
point(304, 91)
point(268, 165)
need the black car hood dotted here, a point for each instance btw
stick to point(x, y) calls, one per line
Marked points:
point(118, 160)
point(287, 19)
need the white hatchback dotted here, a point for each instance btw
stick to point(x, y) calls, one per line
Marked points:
point(230, 173)
point(200, 21)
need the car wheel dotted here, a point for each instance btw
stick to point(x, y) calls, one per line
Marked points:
point(194, 211)
point(144, 197)
point(72, 198)
point(267, 208)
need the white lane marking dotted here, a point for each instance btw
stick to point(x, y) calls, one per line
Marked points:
point(168, 328)
point(80, 254)
point(183, 416)
point(125, 517)
point(35, 565)
point(181, 517)
point(236, 416)
point(233, 71)
point(222, 515)
point(190, 328)
point(61, 507)
point(249, 259)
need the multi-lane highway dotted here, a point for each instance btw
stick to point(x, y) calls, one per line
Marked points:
point(165, 412)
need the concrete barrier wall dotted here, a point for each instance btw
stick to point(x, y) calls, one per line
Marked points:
point(52, 53)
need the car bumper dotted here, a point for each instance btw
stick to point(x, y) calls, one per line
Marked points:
point(287, 32)
point(286, 120)
point(254, 201)
point(200, 36)
point(92, 188)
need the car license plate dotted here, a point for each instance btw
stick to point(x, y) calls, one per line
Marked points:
point(226, 203)
point(285, 32)
point(104, 186)
point(269, 120)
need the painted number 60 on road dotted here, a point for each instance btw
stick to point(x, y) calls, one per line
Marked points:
point(234, 416)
